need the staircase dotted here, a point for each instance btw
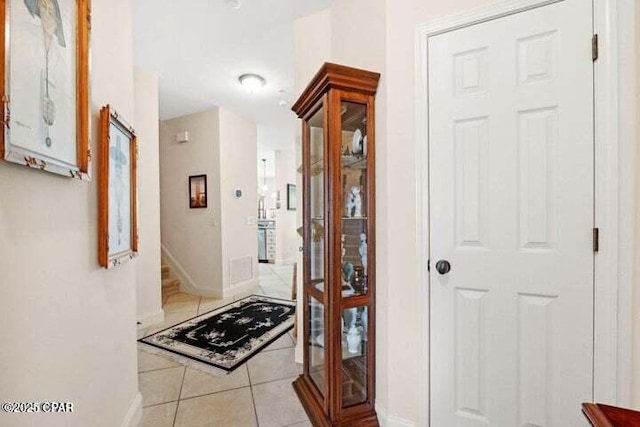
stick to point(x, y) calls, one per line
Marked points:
point(170, 285)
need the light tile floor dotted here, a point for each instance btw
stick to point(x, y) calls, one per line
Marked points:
point(258, 393)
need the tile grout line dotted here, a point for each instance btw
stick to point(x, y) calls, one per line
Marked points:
point(159, 369)
point(253, 399)
point(159, 404)
point(198, 309)
point(219, 392)
point(268, 382)
point(175, 416)
point(246, 365)
point(276, 380)
point(251, 384)
point(214, 392)
point(255, 410)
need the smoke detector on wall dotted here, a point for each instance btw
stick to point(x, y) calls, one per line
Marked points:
point(283, 98)
point(182, 137)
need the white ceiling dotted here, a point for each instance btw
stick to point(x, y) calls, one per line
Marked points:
point(198, 48)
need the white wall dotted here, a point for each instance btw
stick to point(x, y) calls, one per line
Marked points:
point(238, 152)
point(404, 302)
point(146, 125)
point(192, 236)
point(358, 33)
point(202, 243)
point(286, 235)
point(312, 48)
point(635, 394)
point(68, 327)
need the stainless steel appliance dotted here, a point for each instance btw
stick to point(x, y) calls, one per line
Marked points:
point(266, 241)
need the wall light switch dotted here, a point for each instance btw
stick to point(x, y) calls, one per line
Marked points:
point(250, 220)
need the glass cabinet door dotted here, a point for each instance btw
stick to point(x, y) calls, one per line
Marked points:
point(316, 219)
point(354, 241)
point(354, 356)
point(354, 197)
point(315, 242)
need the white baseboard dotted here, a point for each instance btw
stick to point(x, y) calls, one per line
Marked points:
point(194, 290)
point(300, 319)
point(299, 355)
point(287, 261)
point(239, 288)
point(176, 268)
point(150, 319)
point(134, 414)
point(391, 421)
point(187, 285)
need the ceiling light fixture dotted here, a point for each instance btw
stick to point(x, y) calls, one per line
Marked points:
point(265, 188)
point(235, 4)
point(252, 82)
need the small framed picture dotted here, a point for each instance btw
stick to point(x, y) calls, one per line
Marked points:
point(197, 191)
point(292, 201)
point(118, 191)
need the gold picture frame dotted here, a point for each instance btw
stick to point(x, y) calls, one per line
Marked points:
point(117, 190)
point(292, 198)
point(44, 84)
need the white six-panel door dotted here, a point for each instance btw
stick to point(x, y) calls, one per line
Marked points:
point(511, 209)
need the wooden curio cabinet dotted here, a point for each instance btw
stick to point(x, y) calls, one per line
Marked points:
point(337, 111)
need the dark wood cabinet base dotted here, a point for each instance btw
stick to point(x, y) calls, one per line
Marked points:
point(610, 416)
point(316, 413)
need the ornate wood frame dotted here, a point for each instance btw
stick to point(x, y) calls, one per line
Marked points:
point(109, 117)
point(15, 154)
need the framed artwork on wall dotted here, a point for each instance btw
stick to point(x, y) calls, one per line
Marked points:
point(44, 84)
point(291, 197)
point(118, 191)
point(197, 191)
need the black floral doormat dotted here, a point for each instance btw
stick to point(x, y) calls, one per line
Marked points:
point(228, 336)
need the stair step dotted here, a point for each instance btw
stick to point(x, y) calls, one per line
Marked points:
point(170, 283)
point(169, 287)
point(165, 271)
point(171, 290)
point(167, 294)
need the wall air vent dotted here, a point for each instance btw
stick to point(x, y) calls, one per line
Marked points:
point(240, 270)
